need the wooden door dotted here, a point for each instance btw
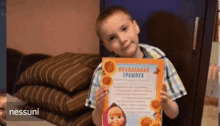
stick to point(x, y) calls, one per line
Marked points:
point(170, 25)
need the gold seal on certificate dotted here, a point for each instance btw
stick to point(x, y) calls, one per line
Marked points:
point(134, 91)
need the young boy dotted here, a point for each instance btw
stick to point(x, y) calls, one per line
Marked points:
point(119, 34)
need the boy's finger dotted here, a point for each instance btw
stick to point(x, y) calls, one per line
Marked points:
point(103, 99)
point(100, 91)
point(164, 93)
point(100, 96)
point(103, 95)
point(164, 87)
point(164, 98)
point(105, 86)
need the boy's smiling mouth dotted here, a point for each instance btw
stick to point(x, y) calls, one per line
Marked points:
point(126, 47)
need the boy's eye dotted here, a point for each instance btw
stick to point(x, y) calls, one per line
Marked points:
point(112, 118)
point(124, 29)
point(119, 117)
point(111, 38)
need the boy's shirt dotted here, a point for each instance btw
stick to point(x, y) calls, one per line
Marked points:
point(171, 78)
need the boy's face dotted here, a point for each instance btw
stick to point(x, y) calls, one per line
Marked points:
point(120, 35)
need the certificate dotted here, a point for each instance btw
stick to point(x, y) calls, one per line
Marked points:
point(134, 91)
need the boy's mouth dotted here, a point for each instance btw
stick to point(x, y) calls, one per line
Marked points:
point(126, 47)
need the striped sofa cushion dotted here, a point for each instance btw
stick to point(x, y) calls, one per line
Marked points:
point(52, 99)
point(83, 119)
point(69, 71)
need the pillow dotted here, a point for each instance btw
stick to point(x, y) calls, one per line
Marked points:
point(52, 99)
point(82, 119)
point(69, 71)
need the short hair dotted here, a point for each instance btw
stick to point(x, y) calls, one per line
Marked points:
point(107, 13)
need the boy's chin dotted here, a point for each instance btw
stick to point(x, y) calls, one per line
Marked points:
point(128, 55)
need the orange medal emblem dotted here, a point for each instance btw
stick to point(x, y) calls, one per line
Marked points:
point(107, 80)
point(155, 105)
point(145, 121)
point(110, 67)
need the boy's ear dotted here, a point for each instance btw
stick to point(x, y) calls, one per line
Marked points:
point(136, 27)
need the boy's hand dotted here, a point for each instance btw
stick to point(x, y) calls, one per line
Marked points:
point(164, 94)
point(100, 96)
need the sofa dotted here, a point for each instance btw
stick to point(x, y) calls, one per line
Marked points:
point(56, 85)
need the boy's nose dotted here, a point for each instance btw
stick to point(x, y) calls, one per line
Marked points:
point(122, 39)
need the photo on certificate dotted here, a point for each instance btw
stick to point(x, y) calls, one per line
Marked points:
point(134, 91)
